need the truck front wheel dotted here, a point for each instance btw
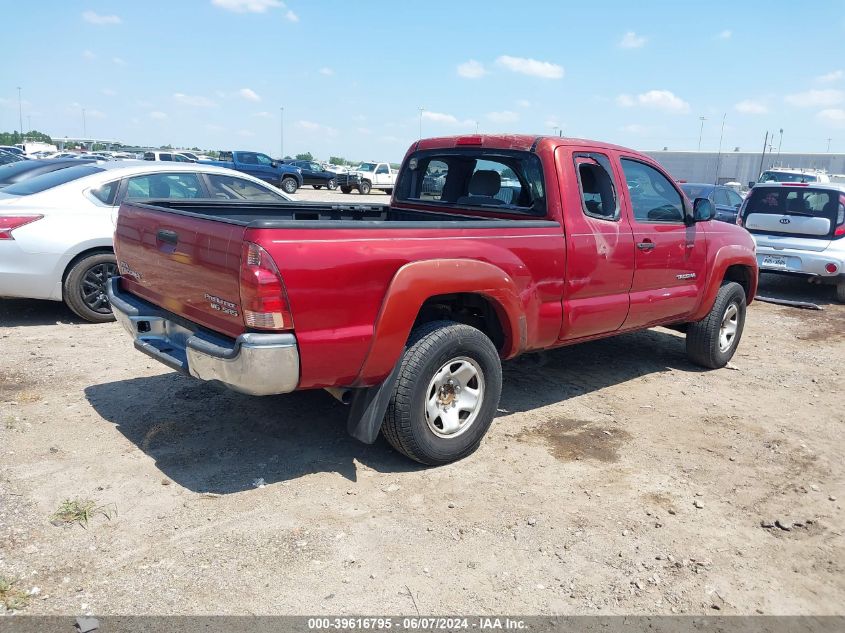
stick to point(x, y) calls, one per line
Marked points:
point(346, 189)
point(364, 187)
point(712, 341)
point(289, 185)
point(450, 380)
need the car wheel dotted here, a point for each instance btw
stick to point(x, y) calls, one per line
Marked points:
point(84, 288)
point(331, 185)
point(712, 341)
point(316, 186)
point(389, 192)
point(840, 292)
point(346, 189)
point(364, 187)
point(289, 185)
point(450, 380)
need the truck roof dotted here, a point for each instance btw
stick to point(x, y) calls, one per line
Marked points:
point(520, 142)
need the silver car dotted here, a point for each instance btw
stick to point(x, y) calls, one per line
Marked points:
point(799, 229)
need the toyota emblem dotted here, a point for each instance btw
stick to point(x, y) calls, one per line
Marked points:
point(784, 220)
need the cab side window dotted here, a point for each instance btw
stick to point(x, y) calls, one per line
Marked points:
point(595, 185)
point(654, 198)
point(722, 197)
point(382, 169)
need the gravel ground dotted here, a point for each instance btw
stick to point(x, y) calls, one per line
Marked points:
point(309, 194)
point(617, 478)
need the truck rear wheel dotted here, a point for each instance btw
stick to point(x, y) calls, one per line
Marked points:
point(289, 185)
point(364, 187)
point(450, 380)
point(84, 288)
point(712, 341)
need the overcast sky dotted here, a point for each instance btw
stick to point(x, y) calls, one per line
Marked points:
point(352, 76)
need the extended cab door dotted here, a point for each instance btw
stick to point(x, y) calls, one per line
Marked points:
point(669, 269)
point(599, 242)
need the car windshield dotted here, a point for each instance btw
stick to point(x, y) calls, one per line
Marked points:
point(502, 180)
point(366, 167)
point(785, 176)
point(53, 179)
point(697, 191)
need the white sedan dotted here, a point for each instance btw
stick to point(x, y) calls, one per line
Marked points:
point(56, 229)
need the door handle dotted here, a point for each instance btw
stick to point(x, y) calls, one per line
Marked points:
point(164, 235)
point(646, 245)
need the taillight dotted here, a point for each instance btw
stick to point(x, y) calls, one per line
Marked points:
point(839, 231)
point(264, 300)
point(9, 223)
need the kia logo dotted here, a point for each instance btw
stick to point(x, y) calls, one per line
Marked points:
point(784, 220)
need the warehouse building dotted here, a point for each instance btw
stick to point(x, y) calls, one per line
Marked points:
point(742, 167)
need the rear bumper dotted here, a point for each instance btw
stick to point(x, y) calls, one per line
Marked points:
point(800, 262)
point(255, 364)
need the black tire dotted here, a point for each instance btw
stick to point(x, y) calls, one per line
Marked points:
point(317, 186)
point(389, 192)
point(289, 185)
point(432, 348)
point(840, 292)
point(345, 189)
point(331, 185)
point(705, 346)
point(364, 187)
point(84, 288)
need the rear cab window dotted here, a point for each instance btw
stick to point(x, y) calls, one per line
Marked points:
point(596, 186)
point(794, 210)
point(486, 179)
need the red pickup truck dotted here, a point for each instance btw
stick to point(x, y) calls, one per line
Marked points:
point(491, 246)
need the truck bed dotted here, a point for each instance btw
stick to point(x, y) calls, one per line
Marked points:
point(281, 215)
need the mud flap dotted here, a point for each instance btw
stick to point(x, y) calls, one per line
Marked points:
point(368, 406)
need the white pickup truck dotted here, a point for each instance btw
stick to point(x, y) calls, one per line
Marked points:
point(368, 176)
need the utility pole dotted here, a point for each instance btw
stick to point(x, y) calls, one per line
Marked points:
point(828, 144)
point(780, 142)
point(281, 133)
point(701, 131)
point(719, 155)
point(763, 157)
point(20, 114)
point(476, 127)
point(555, 128)
point(421, 113)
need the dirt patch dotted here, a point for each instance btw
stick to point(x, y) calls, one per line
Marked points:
point(16, 386)
point(827, 327)
point(570, 440)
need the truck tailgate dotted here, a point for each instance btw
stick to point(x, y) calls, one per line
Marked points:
point(186, 265)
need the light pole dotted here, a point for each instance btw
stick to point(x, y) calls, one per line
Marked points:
point(828, 144)
point(20, 114)
point(29, 122)
point(282, 134)
point(780, 142)
point(421, 113)
point(701, 131)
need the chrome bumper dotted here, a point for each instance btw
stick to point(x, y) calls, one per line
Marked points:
point(255, 364)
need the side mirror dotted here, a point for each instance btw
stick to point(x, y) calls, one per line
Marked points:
point(751, 184)
point(274, 164)
point(703, 210)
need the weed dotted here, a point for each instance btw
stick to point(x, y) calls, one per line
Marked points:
point(12, 598)
point(81, 511)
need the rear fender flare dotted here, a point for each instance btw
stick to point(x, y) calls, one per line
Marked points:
point(416, 282)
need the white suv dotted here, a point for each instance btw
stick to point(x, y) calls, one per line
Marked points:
point(799, 229)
